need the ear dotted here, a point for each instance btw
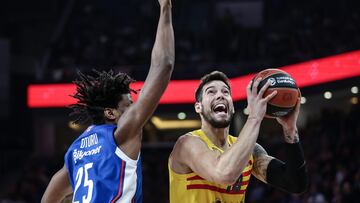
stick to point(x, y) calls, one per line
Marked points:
point(198, 107)
point(110, 113)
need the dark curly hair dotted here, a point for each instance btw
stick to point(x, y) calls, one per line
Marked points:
point(215, 75)
point(94, 93)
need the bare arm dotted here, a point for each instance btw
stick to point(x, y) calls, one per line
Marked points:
point(192, 153)
point(128, 133)
point(290, 176)
point(58, 188)
point(261, 162)
point(224, 168)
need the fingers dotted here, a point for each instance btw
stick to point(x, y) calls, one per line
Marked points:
point(255, 85)
point(248, 88)
point(298, 103)
point(270, 96)
point(263, 89)
point(252, 87)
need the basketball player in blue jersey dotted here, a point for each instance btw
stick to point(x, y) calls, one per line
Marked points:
point(103, 164)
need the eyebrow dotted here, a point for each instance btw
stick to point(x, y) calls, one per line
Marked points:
point(227, 87)
point(208, 88)
point(214, 86)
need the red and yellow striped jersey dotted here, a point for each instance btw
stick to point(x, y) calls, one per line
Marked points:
point(191, 188)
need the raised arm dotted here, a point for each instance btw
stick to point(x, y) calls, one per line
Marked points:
point(223, 168)
point(290, 175)
point(128, 133)
point(58, 188)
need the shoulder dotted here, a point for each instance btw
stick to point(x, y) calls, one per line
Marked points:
point(187, 144)
point(187, 140)
point(105, 130)
point(94, 132)
point(104, 127)
point(188, 149)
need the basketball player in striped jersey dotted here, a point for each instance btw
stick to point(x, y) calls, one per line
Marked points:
point(103, 165)
point(209, 165)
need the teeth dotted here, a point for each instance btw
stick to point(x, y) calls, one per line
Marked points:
point(220, 105)
point(220, 108)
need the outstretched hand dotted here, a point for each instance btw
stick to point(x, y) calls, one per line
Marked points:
point(256, 103)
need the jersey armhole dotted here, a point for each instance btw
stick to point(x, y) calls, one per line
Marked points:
point(124, 157)
point(120, 153)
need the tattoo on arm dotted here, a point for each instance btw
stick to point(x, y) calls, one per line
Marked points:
point(291, 137)
point(261, 162)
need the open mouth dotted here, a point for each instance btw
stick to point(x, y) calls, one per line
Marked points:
point(220, 108)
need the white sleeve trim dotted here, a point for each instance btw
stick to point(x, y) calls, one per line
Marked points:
point(124, 157)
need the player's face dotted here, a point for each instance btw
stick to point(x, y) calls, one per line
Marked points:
point(216, 107)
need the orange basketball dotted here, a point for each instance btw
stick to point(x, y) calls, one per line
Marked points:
point(287, 91)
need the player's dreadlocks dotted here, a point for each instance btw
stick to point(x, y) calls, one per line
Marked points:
point(96, 93)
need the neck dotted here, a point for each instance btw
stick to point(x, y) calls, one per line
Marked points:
point(110, 122)
point(216, 135)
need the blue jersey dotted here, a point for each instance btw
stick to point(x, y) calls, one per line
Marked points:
point(99, 171)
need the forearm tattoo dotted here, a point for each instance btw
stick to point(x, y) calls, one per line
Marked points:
point(291, 137)
point(261, 162)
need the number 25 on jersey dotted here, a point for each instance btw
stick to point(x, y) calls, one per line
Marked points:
point(86, 182)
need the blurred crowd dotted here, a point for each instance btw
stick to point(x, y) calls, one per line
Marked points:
point(209, 34)
point(121, 36)
point(330, 146)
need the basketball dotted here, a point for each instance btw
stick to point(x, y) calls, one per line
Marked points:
point(287, 91)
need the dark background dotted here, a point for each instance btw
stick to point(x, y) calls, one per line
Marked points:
point(46, 41)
